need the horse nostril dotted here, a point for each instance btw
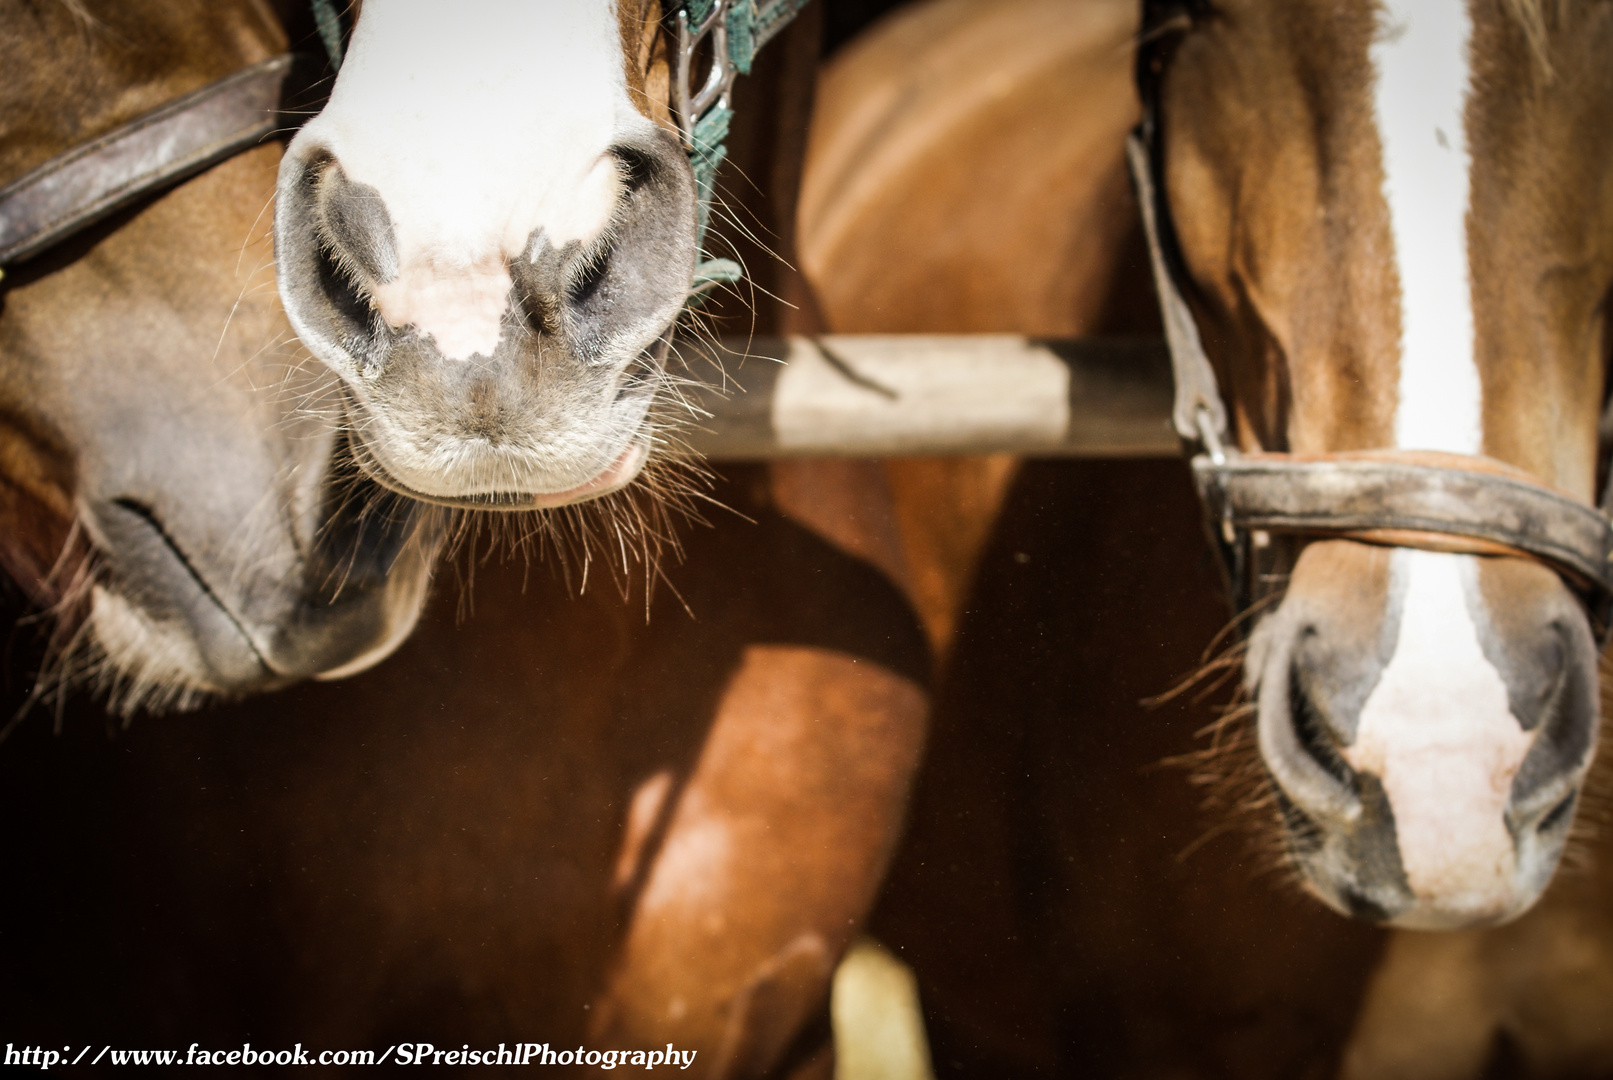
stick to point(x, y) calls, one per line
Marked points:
point(1559, 814)
point(333, 245)
point(347, 308)
point(353, 222)
point(584, 280)
point(1314, 734)
point(1549, 707)
point(1305, 836)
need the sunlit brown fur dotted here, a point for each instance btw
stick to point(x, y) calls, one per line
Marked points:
point(897, 236)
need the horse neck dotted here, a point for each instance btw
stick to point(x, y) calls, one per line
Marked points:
point(69, 72)
point(1396, 237)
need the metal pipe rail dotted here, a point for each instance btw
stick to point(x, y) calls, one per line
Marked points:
point(872, 395)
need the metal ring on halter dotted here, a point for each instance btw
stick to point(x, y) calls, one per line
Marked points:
point(1216, 452)
point(689, 105)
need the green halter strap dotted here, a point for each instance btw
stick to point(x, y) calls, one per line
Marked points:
point(737, 30)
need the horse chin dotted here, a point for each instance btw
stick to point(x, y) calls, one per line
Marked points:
point(175, 662)
point(152, 664)
point(1331, 875)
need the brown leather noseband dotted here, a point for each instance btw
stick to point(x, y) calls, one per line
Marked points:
point(149, 154)
point(1402, 498)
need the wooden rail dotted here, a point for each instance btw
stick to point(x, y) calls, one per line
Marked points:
point(870, 395)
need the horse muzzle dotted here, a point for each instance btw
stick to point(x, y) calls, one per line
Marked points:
point(1427, 753)
point(492, 371)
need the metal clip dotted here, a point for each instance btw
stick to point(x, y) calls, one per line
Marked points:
point(1208, 436)
point(1205, 422)
point(688, 104)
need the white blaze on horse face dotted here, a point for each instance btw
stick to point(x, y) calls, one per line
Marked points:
point(1438, 731)
point(1420, 97)
point(478, 123)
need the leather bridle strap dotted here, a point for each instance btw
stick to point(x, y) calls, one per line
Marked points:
point(1198, 415)
point(154, 151)
point(1440, 502)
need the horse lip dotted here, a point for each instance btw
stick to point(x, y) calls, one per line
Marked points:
point(148, 519)
point(614, 476)
point(618, 474)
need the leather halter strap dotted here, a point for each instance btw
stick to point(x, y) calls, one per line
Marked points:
point(1420, 499)
point(1416, 499)
point(172, 142)
point(737, 30)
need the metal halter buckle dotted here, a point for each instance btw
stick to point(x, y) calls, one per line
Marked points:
point(688, 104)
point(1208, 437)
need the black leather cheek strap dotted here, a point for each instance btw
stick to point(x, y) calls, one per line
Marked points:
point(74, 190)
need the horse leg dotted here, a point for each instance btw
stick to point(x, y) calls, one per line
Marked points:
point(850, 503)
point(771, 859)
point(774, 848)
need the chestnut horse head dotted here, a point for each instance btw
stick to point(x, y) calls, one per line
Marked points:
point(1392, 225)
point(488, 234)
point(172, 478)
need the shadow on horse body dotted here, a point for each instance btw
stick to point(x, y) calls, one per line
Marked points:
point(549, 822)
point(173, 478)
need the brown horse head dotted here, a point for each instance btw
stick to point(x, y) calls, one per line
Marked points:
point(153, 406)
point(1395, 230)
point(488, 234)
